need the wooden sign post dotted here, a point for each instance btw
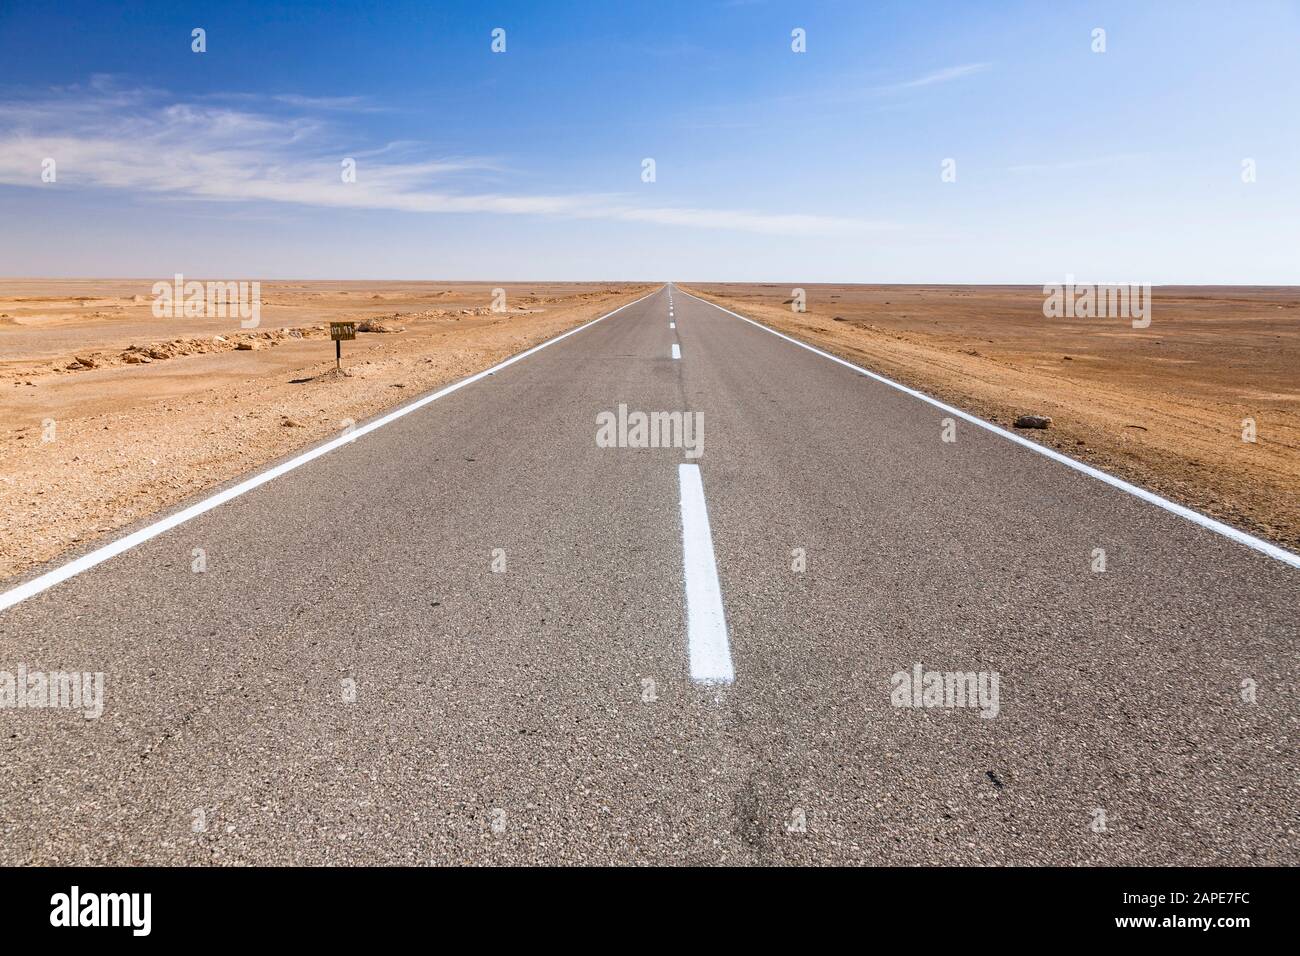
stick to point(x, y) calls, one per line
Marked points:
point(341, 332)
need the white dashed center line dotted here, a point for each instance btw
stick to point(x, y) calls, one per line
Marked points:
point(706, 622)
point(677, 351)
point(672, 325)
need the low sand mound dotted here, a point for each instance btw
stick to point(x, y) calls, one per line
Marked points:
point(374, 325)
point(331, 375)
point(175, 348)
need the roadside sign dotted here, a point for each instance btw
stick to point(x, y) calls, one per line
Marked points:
point(341, 332)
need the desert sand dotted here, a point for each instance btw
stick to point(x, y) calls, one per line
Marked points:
point(109, 415)
point(1162, 407)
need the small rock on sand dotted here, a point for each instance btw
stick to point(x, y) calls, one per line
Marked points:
point(1033, 421)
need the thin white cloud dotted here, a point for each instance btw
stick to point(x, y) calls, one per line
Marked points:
point(946, 75)
point(323, 102)
point(144, 144)
point(1069, 164)
point(882, 95)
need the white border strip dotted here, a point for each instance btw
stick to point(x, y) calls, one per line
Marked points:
point(1218, 527)
point(84, 563)
point(706, 622)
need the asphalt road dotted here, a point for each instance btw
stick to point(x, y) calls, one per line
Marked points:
point(546, 712)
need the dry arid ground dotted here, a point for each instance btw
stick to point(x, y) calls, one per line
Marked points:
point(108, 414)
point(1162, 407)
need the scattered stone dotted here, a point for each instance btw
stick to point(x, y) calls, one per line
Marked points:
point(1033, 421)
point(290, 423)
point(88, 363)
point(373, 325)
point(245, 346)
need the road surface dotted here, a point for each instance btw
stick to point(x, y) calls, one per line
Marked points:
point(475, 635)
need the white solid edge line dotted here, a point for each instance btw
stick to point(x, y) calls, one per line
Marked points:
point(45, 581)
point(677, 351)
point(1235, 534)
point(706, 622)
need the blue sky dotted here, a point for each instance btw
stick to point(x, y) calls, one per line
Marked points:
point(770, 165)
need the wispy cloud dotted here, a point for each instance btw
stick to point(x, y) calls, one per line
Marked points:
point(324, 102)
point(1113, 159)
point(883, 95)
point(144, 143)
point(946, 75)
point(350, 104)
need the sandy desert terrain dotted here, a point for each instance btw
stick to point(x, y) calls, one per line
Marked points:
point(1162, 407)
point(108, 414)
